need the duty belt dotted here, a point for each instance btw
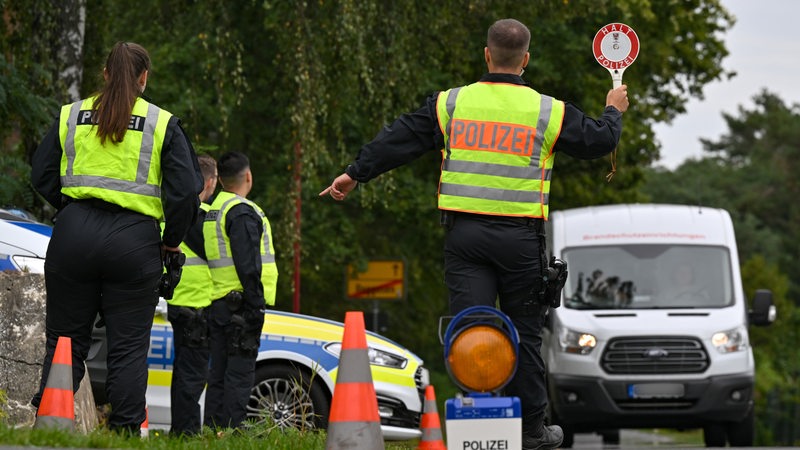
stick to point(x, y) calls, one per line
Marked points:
point(448, 217)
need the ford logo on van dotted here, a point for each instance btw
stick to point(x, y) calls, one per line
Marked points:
point(655, 353)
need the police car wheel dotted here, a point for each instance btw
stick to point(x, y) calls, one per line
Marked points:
point(286, 396)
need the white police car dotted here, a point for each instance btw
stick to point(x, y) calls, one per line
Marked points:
point(296, 367)
point(295, 374)
point(23, 243)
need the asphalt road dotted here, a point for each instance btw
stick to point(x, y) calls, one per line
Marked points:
point(634, 439)
point(628, 439)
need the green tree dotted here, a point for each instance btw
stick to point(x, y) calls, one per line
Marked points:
point(777, 372)
point(762, 146)
point(749, 172)
point(299, 86)
point(28, 100)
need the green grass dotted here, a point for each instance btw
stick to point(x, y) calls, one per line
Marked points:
point(254, 438)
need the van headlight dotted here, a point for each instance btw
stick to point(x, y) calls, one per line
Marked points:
point(376, 357)
point(576, 342)
point(730, 341)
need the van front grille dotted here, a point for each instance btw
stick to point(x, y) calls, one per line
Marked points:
point(654, 355)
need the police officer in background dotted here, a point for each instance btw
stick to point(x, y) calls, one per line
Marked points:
point(187, 312)
point(113, 165)
point(238, 242)
point(498, 139)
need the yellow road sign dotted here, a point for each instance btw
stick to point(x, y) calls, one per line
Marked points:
point(383, 280)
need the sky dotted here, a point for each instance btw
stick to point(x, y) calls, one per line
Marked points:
point(764, 50)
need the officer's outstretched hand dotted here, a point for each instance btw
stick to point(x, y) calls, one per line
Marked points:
point(618, 98)
point(340, 187)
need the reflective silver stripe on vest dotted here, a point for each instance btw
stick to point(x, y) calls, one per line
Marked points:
point(139, 186)
point(223, 252)
point(194, 261)
point(545, 109)
point(69, 146)
point(226, 262)
point(500, 170)
point(111, 184)
point(493, 193)
point(146, 150)
point(451, 108)
point(222, 262)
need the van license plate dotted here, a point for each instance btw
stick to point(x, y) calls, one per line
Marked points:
point(656, 390)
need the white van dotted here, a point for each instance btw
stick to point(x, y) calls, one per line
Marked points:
point(652, 330)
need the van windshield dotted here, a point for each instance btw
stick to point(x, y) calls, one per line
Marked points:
point(648, 277)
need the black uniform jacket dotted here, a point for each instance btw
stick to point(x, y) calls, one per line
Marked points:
point(413, 134)
point(244, 228)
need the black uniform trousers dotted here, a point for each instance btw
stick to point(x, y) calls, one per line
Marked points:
point(232, 374)
point(104, 259)
point(499, 259)
point(189, 372)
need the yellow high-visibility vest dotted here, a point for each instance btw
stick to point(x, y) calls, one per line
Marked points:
point(498, 156)
point(194, 289)
point(128, 173)
point(218, 249)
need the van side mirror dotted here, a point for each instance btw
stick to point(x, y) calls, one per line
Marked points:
point(763, 312)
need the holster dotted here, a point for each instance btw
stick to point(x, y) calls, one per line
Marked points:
point(549, 283)
point(195, 331)
point(554, 280)
point(233, 300)
point(234, 332)
point(244, 329)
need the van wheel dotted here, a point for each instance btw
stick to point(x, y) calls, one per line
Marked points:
point(742, 434)
point(569, 438)
point(286, 396)
point(714, 435)
point(610, 437)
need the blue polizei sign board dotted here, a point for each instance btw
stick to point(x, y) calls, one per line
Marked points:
point(483, 423)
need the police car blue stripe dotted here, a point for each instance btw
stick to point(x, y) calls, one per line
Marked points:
point(45, 230)
point(161, 354)
point(331, 322)
point(5, 263)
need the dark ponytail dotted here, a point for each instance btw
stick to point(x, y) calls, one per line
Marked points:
point(112, 108)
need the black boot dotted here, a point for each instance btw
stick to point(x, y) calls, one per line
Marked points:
point(538, 436)
point(548, 437)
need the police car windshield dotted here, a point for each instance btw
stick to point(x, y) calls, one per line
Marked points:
point(648, 277)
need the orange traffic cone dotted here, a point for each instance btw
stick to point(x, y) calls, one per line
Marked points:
point(354, 422)
point(431, 426)
point(144, 429)
point(57, 407)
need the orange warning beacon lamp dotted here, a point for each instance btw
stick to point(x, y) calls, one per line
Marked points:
point(481, 347)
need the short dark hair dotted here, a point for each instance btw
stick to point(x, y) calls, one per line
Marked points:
point(508, 41)
point(231, 168)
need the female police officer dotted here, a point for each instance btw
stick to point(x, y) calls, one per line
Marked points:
point(113, 165)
